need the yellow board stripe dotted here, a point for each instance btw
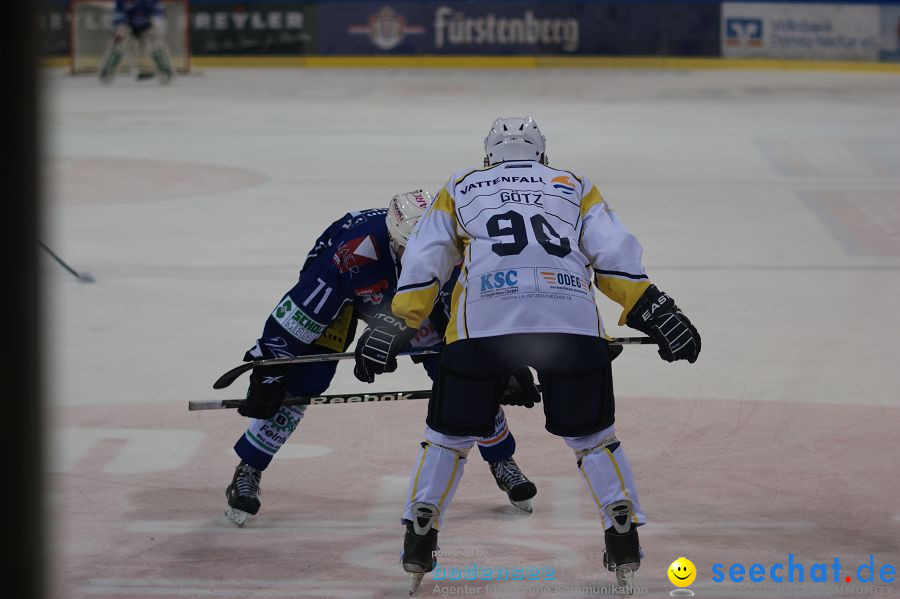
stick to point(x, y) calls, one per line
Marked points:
point(526, 62)
point(415, 487)
point(621, 480)
point(449, 484)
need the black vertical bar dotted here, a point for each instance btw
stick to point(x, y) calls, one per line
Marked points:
point(22, 330)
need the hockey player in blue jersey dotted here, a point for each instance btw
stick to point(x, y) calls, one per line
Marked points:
point(144, 21)
point(350, 274)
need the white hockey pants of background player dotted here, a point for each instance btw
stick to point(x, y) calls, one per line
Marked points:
point(603, 465)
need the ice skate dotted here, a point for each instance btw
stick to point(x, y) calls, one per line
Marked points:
point(242, 493)
point(624, 574)
point(511, 481)
point(623, 550)
point(419, 544)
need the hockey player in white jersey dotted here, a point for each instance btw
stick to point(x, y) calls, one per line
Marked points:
point(532, 239)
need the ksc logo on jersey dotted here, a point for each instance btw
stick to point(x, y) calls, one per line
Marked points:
point(502, 279)
point(743, 31)
point(563, 184)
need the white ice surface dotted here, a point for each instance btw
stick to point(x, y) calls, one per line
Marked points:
point(719, 174)
point(768, 204)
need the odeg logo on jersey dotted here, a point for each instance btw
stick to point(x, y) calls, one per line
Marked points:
point(564, 279)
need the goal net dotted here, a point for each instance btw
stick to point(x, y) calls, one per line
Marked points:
point(91, 28)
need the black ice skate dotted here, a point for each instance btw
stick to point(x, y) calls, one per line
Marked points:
point(420, 543)
point(242, 493)
point(623, 550)
point(511, 481)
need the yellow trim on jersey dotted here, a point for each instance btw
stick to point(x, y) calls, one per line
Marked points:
point(415, 486)
point(444, 202)
point(625, 492)
point(461, 289)
point(624, 292)
point(414, 305)
point(591, 199)
point(335, 336)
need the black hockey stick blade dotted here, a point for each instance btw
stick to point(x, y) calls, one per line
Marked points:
point(340, 398)
point(229, 377)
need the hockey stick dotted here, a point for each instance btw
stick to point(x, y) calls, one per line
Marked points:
point(84, 277)
point(224, 404)
point(229, 377)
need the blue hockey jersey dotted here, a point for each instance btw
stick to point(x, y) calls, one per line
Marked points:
point(351, 272)
point(138, 14)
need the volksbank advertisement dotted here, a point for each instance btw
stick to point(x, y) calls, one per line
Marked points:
point(803, 30)
point(654, 28)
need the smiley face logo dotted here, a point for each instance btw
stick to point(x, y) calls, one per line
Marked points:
point(682, 572)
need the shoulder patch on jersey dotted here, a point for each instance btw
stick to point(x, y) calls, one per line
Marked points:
point(563, 184)
point(357, 252)
point(374, 293)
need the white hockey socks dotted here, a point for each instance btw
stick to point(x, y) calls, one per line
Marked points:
point(437, 472)
point(607, 472)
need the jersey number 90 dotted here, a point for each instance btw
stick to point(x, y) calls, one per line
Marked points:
point(512, 224)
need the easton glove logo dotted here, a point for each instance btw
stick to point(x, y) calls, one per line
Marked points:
point(656, 305)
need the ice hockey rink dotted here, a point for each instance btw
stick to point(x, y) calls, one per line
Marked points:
point(768, 204)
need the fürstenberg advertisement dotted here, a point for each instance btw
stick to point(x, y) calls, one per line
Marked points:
point(819, 31)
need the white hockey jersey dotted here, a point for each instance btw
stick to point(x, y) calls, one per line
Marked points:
point(531, 240)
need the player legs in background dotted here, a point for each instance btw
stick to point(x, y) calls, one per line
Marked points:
point(159, 51)
point(265, 436)
point(114, 55)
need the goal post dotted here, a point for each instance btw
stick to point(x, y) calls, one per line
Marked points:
point(91, 31)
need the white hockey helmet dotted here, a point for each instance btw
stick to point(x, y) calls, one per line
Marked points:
point(404, 211)
point(514, 138)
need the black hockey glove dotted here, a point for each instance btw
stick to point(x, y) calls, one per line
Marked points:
point(521, 390)
point(656, 314)
point(376, 351)
point(268, 386)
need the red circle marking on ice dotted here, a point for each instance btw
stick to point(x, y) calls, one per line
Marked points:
point(847, 579)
